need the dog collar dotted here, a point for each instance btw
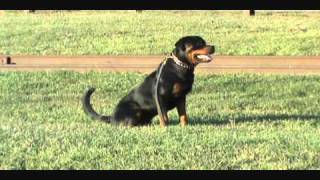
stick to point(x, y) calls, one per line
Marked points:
point(180, 63)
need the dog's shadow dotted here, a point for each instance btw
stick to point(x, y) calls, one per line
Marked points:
point(254, 118)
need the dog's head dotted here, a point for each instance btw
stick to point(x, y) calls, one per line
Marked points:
point(193, 50)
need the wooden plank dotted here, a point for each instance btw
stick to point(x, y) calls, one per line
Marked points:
point(220, 64)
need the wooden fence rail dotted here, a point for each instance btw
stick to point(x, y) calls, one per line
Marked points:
point(220, 64)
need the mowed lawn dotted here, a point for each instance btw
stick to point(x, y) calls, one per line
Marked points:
point(155, 32)
point(242, 121)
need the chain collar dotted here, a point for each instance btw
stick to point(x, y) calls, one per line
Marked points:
point(180, 63)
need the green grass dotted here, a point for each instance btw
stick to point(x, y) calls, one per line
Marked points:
point(155, 32)
point(241, 121)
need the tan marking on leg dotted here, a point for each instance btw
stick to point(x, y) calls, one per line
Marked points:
point(181, 107)
point(184, 120)
point(164, 121)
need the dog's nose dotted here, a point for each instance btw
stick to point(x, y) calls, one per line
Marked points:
point(211, 49)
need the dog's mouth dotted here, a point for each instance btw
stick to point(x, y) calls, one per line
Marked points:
point(203, 57)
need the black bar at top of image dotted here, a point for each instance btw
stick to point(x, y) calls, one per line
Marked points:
point(160, 4)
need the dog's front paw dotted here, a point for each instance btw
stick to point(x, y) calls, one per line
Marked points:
point(164, 123)
point(183, 124)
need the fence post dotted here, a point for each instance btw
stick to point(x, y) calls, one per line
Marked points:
point(250, 12)
point(29, 11)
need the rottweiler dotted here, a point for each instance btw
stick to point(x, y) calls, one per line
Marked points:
point(173, 84)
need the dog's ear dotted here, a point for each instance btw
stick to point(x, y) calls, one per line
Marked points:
point(183, 46)
point(188, 47)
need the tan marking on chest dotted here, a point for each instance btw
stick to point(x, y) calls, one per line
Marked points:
point(177, 89)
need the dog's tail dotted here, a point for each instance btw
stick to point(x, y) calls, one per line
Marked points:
point(87, 107)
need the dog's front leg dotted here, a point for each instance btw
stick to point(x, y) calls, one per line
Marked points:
point(164, 120)
point(181, 107)
point(163, 114)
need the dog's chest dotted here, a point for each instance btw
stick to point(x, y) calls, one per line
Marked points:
point(175, 83)
point(180, 89)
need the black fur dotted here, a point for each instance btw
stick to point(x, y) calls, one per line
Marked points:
point(139, 107)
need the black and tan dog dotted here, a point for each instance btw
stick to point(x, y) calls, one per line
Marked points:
point(175, 82)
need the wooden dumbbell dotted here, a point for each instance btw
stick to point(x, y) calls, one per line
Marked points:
point(6, 60)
